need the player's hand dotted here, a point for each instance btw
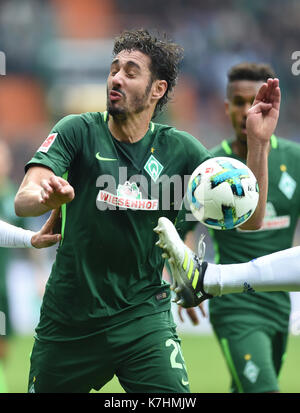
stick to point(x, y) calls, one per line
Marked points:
point(192, 313)
point(55, 192)
point(47, 236)
point(263, 115)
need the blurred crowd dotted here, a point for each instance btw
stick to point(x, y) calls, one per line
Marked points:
point(58, 53)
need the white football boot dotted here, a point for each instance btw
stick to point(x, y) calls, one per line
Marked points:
point(187, 268)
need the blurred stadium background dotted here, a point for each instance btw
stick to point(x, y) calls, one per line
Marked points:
point(57, 58)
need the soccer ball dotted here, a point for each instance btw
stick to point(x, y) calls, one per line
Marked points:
point(222, 193)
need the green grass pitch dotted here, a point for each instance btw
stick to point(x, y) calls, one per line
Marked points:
point(205, 364)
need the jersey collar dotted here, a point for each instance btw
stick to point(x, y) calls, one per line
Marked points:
point(105, 118)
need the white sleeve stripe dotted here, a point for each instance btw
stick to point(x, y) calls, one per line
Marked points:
point(14, 237)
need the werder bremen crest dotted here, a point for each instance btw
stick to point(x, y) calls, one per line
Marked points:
point(287, 185)
point(153, 168)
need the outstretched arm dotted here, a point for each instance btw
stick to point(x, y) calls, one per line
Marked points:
point(261, 123)
point(15, 237)
point(42, 191)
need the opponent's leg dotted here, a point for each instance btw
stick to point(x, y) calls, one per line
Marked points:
point(195, 280)
point(187, 269)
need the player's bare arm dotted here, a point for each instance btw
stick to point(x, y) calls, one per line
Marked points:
point(261, 123)
point(42, 191)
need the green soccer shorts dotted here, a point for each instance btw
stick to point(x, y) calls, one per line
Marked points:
point(144, 353)
point(254, 358)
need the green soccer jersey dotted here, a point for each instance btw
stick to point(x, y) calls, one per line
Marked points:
point(277, 232)
point(107, 268)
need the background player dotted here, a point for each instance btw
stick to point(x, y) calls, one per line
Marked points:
point(253, 330)
point(105, 290)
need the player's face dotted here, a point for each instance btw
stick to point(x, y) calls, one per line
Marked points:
point(129, 84)
point(241, 95)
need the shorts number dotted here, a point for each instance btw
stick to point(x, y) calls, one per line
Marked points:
point(176, 350)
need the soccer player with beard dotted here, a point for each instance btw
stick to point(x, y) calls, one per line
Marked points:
point(106, 310)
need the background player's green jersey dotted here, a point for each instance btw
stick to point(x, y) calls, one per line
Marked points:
point(107, 268)
point(277, 232)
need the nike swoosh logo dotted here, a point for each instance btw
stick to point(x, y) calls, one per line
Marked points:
point(100, 158)
point(185, 383)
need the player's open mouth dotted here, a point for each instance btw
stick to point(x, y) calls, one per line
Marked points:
point(114, 96)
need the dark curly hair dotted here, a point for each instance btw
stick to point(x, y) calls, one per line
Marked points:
point(165, 57)
point(249, 71)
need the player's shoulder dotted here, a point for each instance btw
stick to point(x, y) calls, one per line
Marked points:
point(79, 120)
point(173, 133)
point(177, 137)
point(283, 144)
point(222, 149)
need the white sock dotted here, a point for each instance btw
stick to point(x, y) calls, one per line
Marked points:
point(279, 271)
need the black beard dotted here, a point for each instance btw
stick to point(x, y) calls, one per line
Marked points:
point(139, 104)
point(116, 113)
